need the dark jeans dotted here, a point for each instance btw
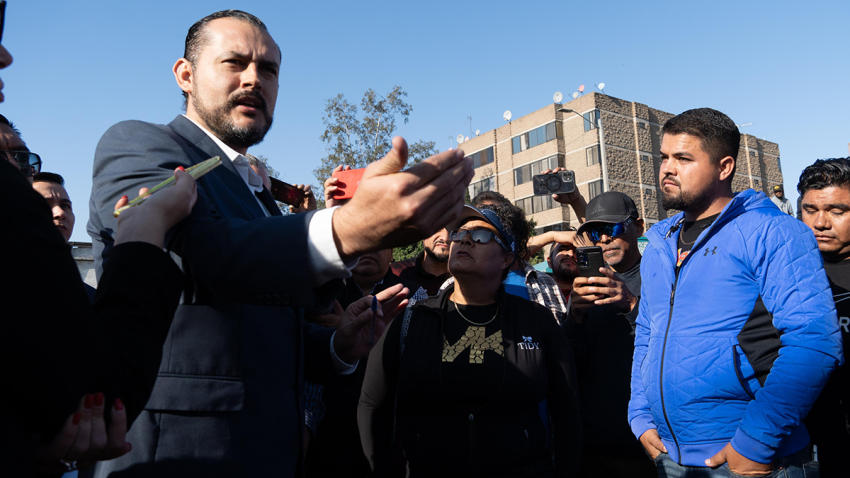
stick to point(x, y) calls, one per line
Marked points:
point(798, 465)
point(594, 464)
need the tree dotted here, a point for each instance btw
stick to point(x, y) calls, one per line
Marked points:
point(357, 140)
point(407, 252)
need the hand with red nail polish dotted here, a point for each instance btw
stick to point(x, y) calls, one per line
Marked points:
point(85, 439)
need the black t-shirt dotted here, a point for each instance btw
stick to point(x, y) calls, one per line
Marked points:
point(829, 420)
point(689, 235)
point(472, 375)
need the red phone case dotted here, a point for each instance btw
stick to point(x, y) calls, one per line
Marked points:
point(348, 181)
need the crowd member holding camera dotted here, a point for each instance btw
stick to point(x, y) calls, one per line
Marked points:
point(736, 333)
point(825, 198)
point(460, 386)
point(600, 325)
point(229, 397)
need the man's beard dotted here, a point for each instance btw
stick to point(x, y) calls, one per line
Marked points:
point(221, 124)
point(564, 273)
point(685, 200)
point(437, 257)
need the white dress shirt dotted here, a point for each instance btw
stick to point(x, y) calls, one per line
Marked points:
point(325, 262)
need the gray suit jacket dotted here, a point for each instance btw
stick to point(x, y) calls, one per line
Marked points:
point(227, 401)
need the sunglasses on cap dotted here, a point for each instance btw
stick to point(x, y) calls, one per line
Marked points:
point(596, 231)
point(481, 236)
point(30, 163)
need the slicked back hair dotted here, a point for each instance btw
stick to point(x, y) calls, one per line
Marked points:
point(196, 38)
point(717, 132)
point(46, 177)
point(825, 173)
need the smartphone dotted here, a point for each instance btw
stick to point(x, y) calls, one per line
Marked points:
point(562, 182)
point(348, 181)
point(287, 193)
point(589, 261)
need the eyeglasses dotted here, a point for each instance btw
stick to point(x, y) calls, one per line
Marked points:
point(2, 18)
point(30, 163)
point(596, 231)
point(481, 236)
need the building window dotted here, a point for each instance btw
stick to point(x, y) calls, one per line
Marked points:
point(561, 226)
point(641, 125)
point(482, 157)
point(592, 155)
point(646, 157)
point(590, 120)
point(535, 204)
point(478, 187)
point(594, 189)
point(536, 137)
point(524, 173)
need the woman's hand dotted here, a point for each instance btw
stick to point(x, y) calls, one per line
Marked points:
point(150, 221)
point(85, 439)
point(331, 185)
point(309, 202)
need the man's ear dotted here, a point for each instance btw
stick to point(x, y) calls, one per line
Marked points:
point(184, 75)
point(640, 225)
point(509, 259)
point(727, 167)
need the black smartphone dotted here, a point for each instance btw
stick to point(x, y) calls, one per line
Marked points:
point(589, 261)
point(562, 182)
point(286, 193)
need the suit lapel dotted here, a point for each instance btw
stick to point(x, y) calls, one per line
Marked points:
point(268, 201)
point(204, 148)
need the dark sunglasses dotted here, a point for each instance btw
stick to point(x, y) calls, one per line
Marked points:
point(2, 18)
point(481, 236)
point(30, 163)
point(596, 231)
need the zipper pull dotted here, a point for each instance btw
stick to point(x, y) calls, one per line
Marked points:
point(470, 417)
point(672, 293)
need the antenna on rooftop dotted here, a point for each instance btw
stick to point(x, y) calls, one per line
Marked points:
point(558, 97)
point(601, 87)
point(507, 115)
point(451, 142)
point(470, 123)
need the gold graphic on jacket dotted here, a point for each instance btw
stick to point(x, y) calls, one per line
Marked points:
point(474, 340)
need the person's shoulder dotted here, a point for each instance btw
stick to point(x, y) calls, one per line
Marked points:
point(400, 266)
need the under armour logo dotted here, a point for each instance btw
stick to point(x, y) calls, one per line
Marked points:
point(707, 250)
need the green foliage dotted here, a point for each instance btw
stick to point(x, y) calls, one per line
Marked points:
point(358, 136)
point(537, 257)
point(407, 252)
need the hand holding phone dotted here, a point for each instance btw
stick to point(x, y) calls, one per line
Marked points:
point(286, 193)
point(347, 183)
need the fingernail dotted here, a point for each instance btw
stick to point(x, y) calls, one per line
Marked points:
point(88, 401)
point(707, 463)
point(124, 197)
point(180, 168)
point(98, 399)
point(77, 417)
point(119, 405)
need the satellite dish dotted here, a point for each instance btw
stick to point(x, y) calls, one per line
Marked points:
point(601, 87)
point(575, 94)
point(466, 139)
point(477, 132)
point(581, 88)
point(558, 97)
point(507, 115)
point(459, 138)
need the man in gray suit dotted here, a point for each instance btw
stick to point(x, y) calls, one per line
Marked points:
point(228, 401)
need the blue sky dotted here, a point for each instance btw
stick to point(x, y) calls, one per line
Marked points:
point(82, 66)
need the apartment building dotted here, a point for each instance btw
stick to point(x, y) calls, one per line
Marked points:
point(626, 160)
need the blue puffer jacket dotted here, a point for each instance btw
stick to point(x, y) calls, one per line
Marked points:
point(738, 346)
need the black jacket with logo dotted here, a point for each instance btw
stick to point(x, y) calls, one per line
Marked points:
point(439, 438)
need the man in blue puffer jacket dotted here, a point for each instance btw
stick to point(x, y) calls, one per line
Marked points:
point(737, 332)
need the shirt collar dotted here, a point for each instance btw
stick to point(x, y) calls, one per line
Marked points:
point(240, 162)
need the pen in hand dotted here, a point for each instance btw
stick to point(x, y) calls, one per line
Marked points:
point(374, 314)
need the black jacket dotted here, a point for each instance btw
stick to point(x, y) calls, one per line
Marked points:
point(56, 345)
point(438, 438)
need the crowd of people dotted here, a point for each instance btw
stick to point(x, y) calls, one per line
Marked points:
point(228, 339)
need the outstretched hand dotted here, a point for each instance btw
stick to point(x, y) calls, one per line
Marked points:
point(84, 439)
point(354, 338)
point(394, 207)
point(738, 463)
point(148, 222)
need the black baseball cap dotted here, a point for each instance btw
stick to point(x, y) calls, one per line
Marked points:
point(468, 213)
point(609, 208)
point(778, 188)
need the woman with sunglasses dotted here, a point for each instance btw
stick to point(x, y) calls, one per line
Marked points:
point(456, 390)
